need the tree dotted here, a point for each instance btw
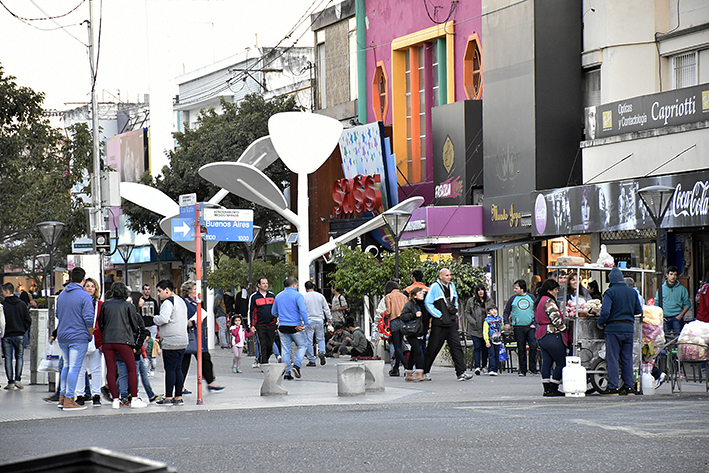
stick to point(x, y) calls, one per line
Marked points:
point(218, 137)
point(234, 273)
point(42, 175)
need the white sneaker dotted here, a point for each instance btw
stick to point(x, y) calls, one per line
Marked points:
point(659, 381)
point(256, 365)
point(116, 403)
point(492, 373)
point(137, 403)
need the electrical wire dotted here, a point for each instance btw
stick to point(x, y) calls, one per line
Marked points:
point(453, 8)
point(44, 18)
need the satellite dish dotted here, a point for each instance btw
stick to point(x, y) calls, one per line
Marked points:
point(260, 154)
point(150, 198)
point(303, 140)
point(247, 182)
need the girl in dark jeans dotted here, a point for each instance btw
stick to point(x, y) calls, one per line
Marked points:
point(552, 336)
point(412, 311)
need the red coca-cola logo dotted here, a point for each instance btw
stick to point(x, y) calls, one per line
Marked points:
point(357, 195)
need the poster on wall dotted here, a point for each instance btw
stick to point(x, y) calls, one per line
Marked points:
point(361, 150)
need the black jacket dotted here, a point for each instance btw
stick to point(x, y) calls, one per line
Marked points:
point(17, 316)
point(119, 323)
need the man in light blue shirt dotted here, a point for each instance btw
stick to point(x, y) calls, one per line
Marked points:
point(318, 314)
point(289, 308)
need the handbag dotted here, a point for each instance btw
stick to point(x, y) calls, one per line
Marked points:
point(192, 345)
point(50, 360)
point(504, 356)
point(383, 327)
point(412, 327)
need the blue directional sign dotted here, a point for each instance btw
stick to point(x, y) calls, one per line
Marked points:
point(182, 229)
point(228, 225)
point(187, 212)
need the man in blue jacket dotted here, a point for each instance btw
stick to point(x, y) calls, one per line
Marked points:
point(75, 313)
point(620, 306)
point(292, 314)
point(675, 301)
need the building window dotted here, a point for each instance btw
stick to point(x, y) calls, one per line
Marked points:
point(322, 86)
point(380, 93)
point(592, 88)
point(422, 78)
point(473, 68)
point(352, 37)
point(684, 70)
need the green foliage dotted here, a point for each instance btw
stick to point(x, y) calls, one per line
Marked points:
point(217, 138)
point(234, 273)
point(42, 172)
point(465, 276)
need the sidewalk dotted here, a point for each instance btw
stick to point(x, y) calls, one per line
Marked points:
point(318, 386)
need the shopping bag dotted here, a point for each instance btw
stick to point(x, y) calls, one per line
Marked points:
point(504, 356)
point(50, 360)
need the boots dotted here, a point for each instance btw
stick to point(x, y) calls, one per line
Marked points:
point(71, 405)
point(418, 375)
point(409, 375)
point(60, 405)
point(546, 384)
point(554, 390)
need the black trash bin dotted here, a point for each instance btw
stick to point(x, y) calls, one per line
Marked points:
point(88, 460)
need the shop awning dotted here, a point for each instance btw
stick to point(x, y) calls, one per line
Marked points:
point(495, 246)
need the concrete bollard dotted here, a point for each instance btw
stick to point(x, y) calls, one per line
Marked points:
point(350, 379)
point(273, 379)
point(374, 375)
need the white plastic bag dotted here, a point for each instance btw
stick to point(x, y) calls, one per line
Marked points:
point(50, 360)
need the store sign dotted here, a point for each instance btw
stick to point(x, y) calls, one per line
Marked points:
point(616, 206)
point(355, 196)
point(449, 189)
point(507, 215)
point(671, 108)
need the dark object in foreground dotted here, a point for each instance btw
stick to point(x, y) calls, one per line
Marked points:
point(88, 460)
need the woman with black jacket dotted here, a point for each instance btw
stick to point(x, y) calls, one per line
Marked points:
point(122, 331)
point(475, 313)
point(413, 311)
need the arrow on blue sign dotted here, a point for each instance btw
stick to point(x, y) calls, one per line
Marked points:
point(182, 229)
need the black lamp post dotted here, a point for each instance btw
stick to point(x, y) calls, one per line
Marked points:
point(657, 200)
point(159, 243)
point(251, 246)
point(51, 232)
point(125, 249)
point(43, 260)
point(396, 221)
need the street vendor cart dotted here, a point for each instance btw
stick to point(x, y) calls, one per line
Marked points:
point(588, 340)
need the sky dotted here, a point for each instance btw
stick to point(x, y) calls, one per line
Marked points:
point(142, 42)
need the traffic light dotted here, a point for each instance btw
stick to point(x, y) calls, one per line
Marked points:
point(102, 240)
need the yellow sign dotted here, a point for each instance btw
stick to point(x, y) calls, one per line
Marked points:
point(608, 119)
point(448, 154)
point(436, 257)
point(501, 215)
point(705, 99)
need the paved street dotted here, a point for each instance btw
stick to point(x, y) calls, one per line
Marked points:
point(488, 424)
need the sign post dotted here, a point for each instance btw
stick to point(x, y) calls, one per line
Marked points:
point(198, 264)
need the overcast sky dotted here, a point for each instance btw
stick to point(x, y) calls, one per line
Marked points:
point(195, 33)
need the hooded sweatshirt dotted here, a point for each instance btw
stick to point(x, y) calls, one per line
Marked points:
point(620, 305)
point(75, 312)
point(17, 317)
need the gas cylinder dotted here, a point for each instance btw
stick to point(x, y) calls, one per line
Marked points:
point(573, 377)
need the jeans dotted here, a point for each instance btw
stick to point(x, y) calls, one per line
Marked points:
point(619, 348)
point(493, 358)
point(142, 367)
point(74, 354)
point(10, 345)
point(91, 364)
point(524, 334)
point(479, 352)
point(317, 329)
point(287, 340)
point(222, 331)
point(397, 339)
point(172, 361)
point(673, 325)
point(553, 353)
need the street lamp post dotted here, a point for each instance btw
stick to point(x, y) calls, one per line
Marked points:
point(251, 246)
point(51, 232)
point(159, 243)
point(43, 260)
point(125, 249)
point(657, 200)
point(396, 221)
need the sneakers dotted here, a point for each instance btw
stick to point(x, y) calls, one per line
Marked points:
point(165, 401)
point(10, 386)
point(233, 369)
point(322, 358)
point(492, 373)
point(661, 380)
point(626, 391)
point(287, 376)
point(311, 363)
point(477, 371)
point(238, 370)
point(97, 400)
point(394, 372)
point(60, 404)
point(279, 358)
point(257, 365)
point(18, 385)
point(522, 374)
point(296, 371)
point(53, 398)
point(106, 393)
point(156, 398)
point(185, 392)
point(151, 374)
point(125, 401)
point(426, 377)
point(610, 392)
point(464, 376)
point(137, 403)
point(71, 405)
point(80, 400)
point(178, 402)
point(214, 388)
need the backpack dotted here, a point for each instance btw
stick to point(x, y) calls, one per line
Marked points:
point(383, 327)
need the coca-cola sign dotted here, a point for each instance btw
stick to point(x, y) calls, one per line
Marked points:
point(692, 202)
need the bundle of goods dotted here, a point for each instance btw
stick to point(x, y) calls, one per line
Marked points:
point(694, 341)
point(572, 309)
point(570, 261)
point(593, 306)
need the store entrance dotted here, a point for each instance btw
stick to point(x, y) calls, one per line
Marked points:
point(701, 252)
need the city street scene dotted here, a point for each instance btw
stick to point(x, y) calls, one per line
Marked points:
point(354, 235)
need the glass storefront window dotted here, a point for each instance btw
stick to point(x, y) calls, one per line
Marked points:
point(515, 263)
